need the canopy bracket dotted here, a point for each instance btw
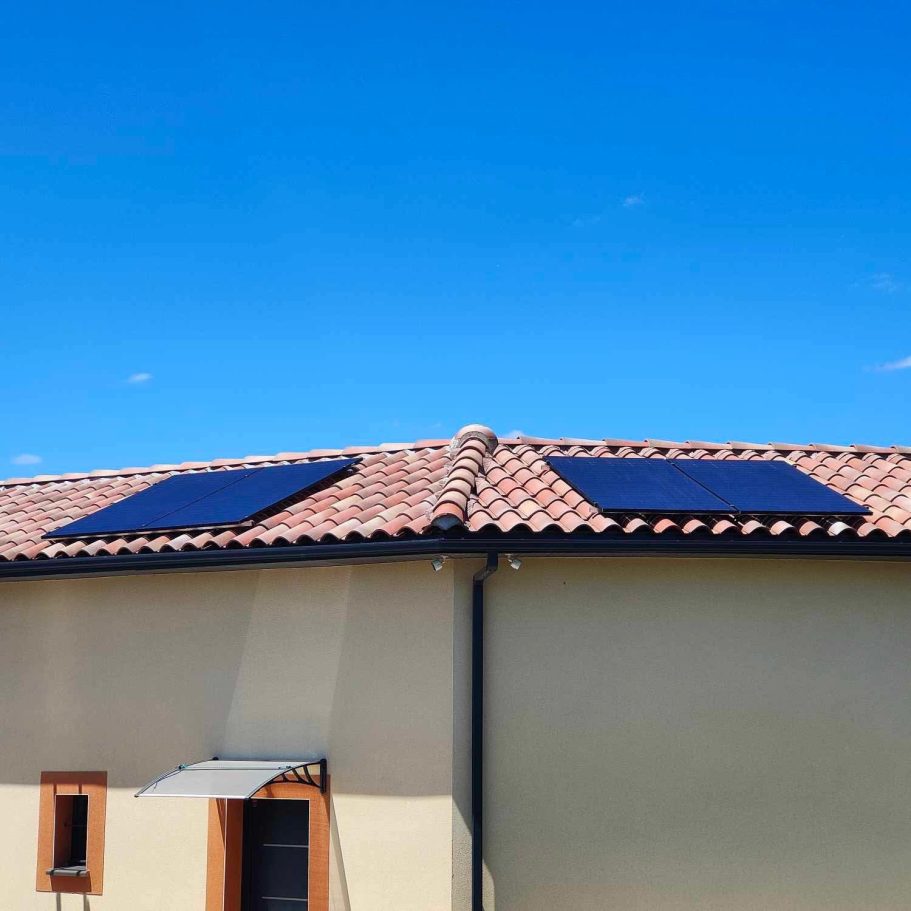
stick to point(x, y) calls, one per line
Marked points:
point(307, 778)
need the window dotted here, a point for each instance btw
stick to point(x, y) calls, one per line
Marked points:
point(71, 832)
point(71, 815)
point(79, 819)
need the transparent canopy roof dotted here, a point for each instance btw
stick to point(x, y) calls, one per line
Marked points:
point(237, 779)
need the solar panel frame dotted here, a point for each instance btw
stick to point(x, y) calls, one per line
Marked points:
point(636, 485)
point(141, 509)
point(771, 487)
point(203, 500)
point(259, 491)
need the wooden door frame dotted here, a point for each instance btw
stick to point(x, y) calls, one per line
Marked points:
point(225, 854)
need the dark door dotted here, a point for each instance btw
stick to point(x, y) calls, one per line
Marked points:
point(276, 855)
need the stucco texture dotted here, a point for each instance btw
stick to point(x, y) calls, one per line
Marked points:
point(661, 735)
point(134, 675)
point(699, 735)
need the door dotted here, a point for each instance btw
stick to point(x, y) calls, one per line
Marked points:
point(276, 855)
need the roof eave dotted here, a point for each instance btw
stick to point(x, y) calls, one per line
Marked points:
point(465, 546)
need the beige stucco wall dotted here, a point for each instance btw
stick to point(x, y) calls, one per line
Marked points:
point(661, 735)
point(699, 736)
point(135, 674)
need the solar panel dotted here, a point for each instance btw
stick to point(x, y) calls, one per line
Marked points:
point(142, 509)
point(767, 487)
point(204, 499)
point(253, 493)
point(636, 485)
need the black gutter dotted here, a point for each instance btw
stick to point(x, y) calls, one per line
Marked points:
point(477, 730)
point(380, 551)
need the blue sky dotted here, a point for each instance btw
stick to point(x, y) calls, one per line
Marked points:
point(325, 224)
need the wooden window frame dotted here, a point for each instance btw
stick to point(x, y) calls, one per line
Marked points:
point(225, 853)
point(93, 785)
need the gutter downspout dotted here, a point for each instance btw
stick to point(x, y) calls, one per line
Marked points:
point(477, 730)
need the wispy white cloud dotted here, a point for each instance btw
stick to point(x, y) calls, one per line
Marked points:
point(885, 282)
point(139, 377)
point(26, 458)
point(596, 218)
point(514, 433)
point(586, 221)
point(902, 364)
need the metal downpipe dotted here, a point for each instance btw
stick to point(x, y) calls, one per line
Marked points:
point(477, 730)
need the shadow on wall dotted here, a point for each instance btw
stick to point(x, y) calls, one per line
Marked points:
point(138, 674)
point(129, 674)
point(338, 882)
point(58, 899)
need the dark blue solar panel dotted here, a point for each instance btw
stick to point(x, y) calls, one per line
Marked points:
point(761, 487)
point(636, 485)
point(142, 509)
point(203, 499)
point(253, 493)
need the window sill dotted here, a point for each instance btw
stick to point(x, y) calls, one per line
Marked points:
point(68, 871)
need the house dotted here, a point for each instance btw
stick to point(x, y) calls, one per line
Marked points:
point(515, 674)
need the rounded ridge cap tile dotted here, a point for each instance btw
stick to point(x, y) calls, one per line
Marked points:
point(475, 432)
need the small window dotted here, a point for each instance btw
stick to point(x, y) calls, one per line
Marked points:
point(71, 832)
point(79, 822)
point(71, 818)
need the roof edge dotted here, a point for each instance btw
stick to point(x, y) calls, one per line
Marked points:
point(478, 432)
point(278, 458)
point(389, 551)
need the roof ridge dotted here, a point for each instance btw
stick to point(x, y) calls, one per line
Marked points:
point(469, 447)
point(523, 440)
point(226, 462)
point(470, 431)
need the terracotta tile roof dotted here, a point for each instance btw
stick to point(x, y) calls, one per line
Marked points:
point(473, 484)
